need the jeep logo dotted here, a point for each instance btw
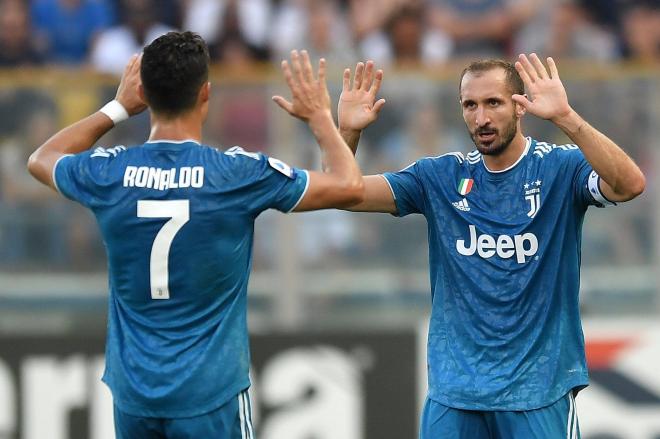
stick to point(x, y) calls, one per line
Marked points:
point(505, 246)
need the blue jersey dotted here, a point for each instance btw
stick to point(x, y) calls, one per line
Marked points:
point(177, 223)
point(505, 331)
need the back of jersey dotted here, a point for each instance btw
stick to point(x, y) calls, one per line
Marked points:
point(177, 222)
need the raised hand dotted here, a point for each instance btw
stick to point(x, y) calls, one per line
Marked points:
point(309, 96)
point(357, 104)
point(548, 96)
point(127, 93)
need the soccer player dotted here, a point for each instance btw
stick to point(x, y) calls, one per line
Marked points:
point(505, 347)
point(177, 221)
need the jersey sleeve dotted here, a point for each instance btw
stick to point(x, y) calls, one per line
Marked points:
point(586, 183)
point(78, 176)
point(407, 189)
point(266, 182)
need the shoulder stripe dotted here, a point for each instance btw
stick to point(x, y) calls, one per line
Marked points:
point(543, 148)
point(107, 152)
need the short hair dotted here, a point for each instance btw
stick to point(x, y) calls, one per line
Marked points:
point(174, 68)
point(513, 79)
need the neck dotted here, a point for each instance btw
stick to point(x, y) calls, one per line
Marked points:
point(185, 127)
point(510, 155)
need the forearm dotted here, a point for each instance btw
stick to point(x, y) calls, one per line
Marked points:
point(612, 164)
point(351, 137)
point(337, 157)
point(71, 140)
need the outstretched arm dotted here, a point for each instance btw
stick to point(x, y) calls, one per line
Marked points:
point(622, 180)
point(340, 184)
point(83, 134)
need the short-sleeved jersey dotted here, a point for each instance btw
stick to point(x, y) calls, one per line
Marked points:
point(177, 223)
point(504, 250)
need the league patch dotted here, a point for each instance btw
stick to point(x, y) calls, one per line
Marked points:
point(280, 166)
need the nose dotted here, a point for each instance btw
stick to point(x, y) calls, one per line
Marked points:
point(481, 117)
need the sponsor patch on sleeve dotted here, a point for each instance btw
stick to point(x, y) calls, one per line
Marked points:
point(280, 166)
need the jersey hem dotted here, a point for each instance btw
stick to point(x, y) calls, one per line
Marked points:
point(578, 383)
point(199, 410)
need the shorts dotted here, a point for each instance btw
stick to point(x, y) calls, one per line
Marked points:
point(556, 421)
point(233, 420)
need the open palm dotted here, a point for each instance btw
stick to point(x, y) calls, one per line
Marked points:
point(548, 96)
point(357, 104)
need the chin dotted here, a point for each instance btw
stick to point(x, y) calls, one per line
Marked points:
point(495, 148)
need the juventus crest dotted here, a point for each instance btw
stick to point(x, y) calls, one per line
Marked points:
point(533, 195)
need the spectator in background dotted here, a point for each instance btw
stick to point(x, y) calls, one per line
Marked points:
point(318, 25)
point(584, 29)
point(641, 30)
point(228, 22)
point(403, 38)
point(231, 47)
point(17, 47)
point(139, 26)
point(481, 28)
point(70, 26)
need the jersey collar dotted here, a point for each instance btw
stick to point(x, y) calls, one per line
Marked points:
point(528, 142)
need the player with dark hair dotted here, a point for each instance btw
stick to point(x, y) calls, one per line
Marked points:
point(177, 221)
point(505, 348)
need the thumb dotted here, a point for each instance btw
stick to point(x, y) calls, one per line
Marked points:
point(284, 104)
point(522, 100)
point(378, 105)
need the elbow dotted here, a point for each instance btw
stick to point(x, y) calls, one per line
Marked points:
point(633, 188)
point(353, 193)
point(33, 164)
point(638, 186)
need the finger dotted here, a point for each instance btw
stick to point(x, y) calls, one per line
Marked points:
point(522, 100)
point(357, 80)
point(523, 74)
point(346, 80)
point(284, 104)
point(297, 68)
point(308, 73)
point(368, 75)
point(378, 80)
point(529, 69)
point(288, 76)
point(378, 105)
point(539, 67)
point(322, 83)
point(554, 73)
point(129, 64)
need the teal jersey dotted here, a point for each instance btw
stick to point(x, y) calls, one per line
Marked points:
point(177, 222)
point(504, 251)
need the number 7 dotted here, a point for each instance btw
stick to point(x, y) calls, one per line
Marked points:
point(179, 212)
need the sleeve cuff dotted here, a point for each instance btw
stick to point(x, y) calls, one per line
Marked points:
point(594, 189)
point(302, 195)
point(54, 175)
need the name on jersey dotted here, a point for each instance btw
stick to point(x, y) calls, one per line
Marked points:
point(163, 179)
point(505, 246)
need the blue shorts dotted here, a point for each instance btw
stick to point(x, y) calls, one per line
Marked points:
point(556, 421)
point(231, 421)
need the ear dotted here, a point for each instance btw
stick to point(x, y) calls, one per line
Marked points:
point(520, 110)
point(141, 95)
point(205, 92)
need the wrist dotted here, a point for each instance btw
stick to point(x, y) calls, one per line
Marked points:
point(115, 111)
point(569, 120)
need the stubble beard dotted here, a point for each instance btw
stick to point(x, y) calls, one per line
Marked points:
point(501, 142)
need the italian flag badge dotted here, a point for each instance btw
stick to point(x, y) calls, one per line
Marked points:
point(465, 186)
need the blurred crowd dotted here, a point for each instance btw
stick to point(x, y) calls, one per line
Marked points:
point(40, 231)
point(102, 34)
